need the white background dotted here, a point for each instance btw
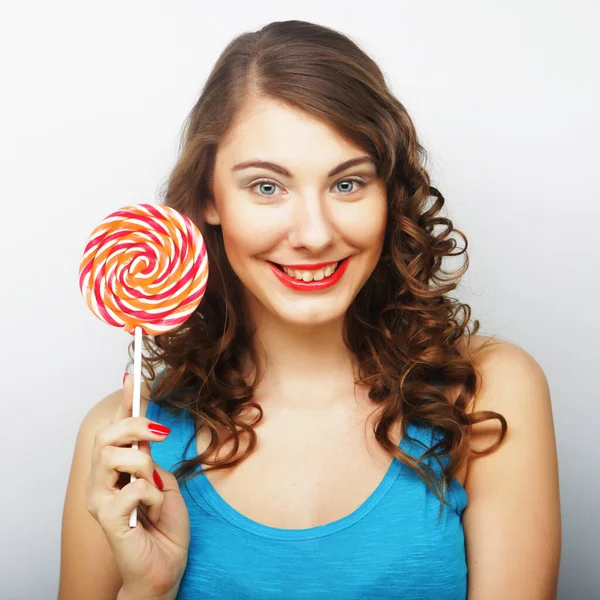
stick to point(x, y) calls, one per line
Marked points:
point(504, 96)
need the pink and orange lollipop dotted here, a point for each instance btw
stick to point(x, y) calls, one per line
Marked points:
point(144, 269)
point(144, 266)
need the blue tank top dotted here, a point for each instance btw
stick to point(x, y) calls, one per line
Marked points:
point(392, 546)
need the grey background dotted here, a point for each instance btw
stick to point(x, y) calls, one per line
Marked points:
point(504, 96)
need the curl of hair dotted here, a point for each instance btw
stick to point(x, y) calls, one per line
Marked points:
point(403, 327)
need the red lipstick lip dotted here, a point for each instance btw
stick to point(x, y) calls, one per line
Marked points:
point(304, 286)
point(309, 267)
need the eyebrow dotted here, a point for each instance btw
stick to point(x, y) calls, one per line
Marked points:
point(264, 164)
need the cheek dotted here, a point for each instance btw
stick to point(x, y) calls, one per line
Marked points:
point(365, 226)
point(377, 221)
point(249, 234)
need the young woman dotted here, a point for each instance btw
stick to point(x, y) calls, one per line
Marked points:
point(334, 428)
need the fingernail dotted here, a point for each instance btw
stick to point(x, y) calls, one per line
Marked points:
point(125, 377)
point(158, 481)
point(159, 429)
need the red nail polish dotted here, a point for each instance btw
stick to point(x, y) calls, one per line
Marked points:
point(158, 481)
point(159, 429)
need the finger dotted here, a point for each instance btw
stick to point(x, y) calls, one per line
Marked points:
point(167, 478)
point(144, 446)
point(114, 514)
point(144, 513)
point(116, 461)
point(127, 431)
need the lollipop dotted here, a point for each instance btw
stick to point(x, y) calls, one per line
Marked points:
point(144, 269)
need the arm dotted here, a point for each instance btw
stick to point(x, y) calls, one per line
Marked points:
point(512, 522)
point(87, 566)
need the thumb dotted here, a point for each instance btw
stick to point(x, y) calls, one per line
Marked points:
point(169, 480)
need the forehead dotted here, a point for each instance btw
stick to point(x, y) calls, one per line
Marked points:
point(268, 129)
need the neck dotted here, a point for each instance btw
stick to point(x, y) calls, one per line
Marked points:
point(304, 368)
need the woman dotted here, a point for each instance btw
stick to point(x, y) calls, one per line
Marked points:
point(320, 405)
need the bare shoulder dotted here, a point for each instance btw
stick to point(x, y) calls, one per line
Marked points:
point(512, 383)
point(103, 411)
point(512, 520)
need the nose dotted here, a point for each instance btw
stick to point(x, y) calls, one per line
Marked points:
point(310, 226)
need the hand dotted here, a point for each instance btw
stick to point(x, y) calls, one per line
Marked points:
point(152, 556)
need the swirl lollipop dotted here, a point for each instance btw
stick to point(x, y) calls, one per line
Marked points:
point(144, 269)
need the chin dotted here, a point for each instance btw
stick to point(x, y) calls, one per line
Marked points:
point(309, 317)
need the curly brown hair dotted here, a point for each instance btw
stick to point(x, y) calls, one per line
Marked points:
point(406, 332)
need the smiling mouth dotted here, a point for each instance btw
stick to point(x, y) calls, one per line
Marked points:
point(308, 275)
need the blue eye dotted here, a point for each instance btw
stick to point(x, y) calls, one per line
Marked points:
point(267, 182)
point(349, 180)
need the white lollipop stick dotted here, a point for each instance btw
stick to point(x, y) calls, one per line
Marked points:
point(137, 385)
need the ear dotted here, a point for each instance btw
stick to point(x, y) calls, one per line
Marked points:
point(210, 213)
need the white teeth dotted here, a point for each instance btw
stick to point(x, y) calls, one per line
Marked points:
point(307, 276)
